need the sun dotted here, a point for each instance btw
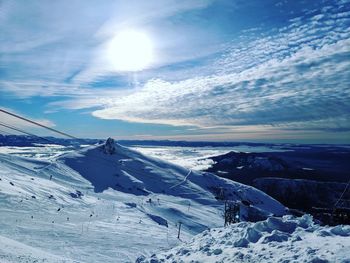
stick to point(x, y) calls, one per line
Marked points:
point(130, 50)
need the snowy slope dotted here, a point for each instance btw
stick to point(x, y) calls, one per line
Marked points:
point(131, 172)
point(14, 251)
point(284, 239)
point(102, 207)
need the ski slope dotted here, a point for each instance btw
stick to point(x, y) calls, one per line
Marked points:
point(95, 205)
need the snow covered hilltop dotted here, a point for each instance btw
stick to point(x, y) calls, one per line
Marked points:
point(129, 171)
point(108, 203)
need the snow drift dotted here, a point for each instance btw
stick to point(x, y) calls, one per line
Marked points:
point(284, 239)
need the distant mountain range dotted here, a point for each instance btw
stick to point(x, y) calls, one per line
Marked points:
point(27, 140)
point(315, 163)
point(304, 178)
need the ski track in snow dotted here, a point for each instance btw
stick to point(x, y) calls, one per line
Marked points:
point(182, 181)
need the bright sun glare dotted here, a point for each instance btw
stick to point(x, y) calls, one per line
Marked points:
point(130, 51)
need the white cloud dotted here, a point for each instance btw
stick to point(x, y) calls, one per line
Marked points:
point(301, 88)
point(295, 78)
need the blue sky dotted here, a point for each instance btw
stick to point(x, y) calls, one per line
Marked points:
point(275, 71)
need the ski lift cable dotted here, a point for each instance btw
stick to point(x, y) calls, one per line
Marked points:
point(41, 125)
point(5, 132)
point(48, 140)
point(22, 131)
point(44, 126)
point(38, 124)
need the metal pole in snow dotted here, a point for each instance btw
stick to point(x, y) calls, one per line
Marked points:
point(178, 234)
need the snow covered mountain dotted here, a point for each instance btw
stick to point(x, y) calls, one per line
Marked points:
point(284, 239)
point(108, 203)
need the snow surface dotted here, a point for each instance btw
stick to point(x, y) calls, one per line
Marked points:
point(13, 251)
point(284, 239)
point(89, 206)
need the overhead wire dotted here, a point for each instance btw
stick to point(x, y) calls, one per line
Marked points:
point(22, 131)
point(4, 132)
point(38, 124)
point(48, 128)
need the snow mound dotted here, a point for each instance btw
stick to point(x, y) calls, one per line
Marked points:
point(286, 239)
